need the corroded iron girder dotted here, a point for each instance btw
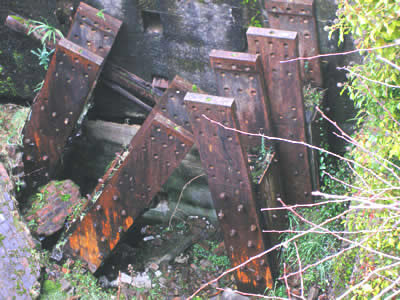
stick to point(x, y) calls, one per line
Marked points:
point(299, 16)
point(225, 162)
point(287, 106)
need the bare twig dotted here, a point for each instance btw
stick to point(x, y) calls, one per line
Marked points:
point(340, 53)
point(388, 62)
point(181, 195)
point(368, 79)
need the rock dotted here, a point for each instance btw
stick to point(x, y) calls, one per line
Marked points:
point(142, 281)
point(229, 294)
point(313, 293)
point(19, 266)
point(52, 205)
point(158, 273)
point(181, 259)
point(154, 266)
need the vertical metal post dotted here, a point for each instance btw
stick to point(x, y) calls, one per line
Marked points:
point(239, 75)
point(287, 107)
point(225, 161)
point(299, 15)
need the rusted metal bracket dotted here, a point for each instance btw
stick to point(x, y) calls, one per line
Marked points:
point(154, 153)
point(299, 15)
point(61, 103)
point(240, 75)
point(287, 107)
point(225, 163)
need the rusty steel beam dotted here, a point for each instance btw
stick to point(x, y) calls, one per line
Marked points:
point(112, 72)
point(287, 107)
point(69, 83)
point(225, 163)
point(240, 75)
point(154, 153)
point(299, 15)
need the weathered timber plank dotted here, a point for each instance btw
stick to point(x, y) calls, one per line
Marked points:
point(299, 15)
point(225, 162)
point(287, 107)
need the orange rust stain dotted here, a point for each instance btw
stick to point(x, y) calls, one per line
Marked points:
point(128, 222)
point(37, 140)
point(210, 147)
point(84, 240)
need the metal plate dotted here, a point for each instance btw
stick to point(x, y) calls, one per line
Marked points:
point(239, 75)
point(225, 163)
point(287, 107)
point(94, 30)
point(154, 153)
point(298, 15)
point(72, 73)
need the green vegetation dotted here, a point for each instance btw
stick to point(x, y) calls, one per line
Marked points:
point(43, 56)
point(49, 32)
point(220, 261)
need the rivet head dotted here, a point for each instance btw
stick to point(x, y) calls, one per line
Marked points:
point(66, 121)
point(240, 208)
point(231, 248)
point(262, 262)
point(54, 114)
point(250, 244)
point(98, 207)
point(259, 278)
point(222, 196)
point(45, 157)
point(301, 155)
point(103, 239)
point(253, 228)
point(115, 197)
point(221, 215)
point(232, 233)
point(295, 173)
point(123, 212)
point(29, 157)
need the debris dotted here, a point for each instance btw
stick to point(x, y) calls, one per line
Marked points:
point(52, 205)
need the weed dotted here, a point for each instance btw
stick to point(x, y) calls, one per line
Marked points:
point(50, 33)
point(100, 14)
point(220, 261)
point(43, 55)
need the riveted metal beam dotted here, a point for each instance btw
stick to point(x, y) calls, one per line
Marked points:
point(287, 107)
point(154, 153)
point(299, 15)
point(63, 99)
point(225, 163)
point(240, 75)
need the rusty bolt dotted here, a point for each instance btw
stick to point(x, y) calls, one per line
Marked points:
point(250, 244)
point(54, 114)
point(123, 212)
point(221, 215)
point(240, 208)
point(301, 155)
point(115, 198)
point(262, 262)
point(103, 239)
point(259, 278)
point(45, 157)
point(98, 207)
point(253, 228)
point(29, 157)
point(232, 233)
point(222, 196)
point(295, 173)
point(231, 248)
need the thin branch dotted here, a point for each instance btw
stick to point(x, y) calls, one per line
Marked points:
point(388, 62)
point(340, 53)
point(300, 271)
point(368, 79)
point(181, 195)
point(300, 143)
